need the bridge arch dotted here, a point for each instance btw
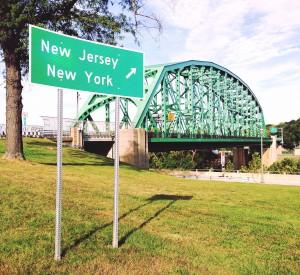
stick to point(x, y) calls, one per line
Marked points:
point(188, 99)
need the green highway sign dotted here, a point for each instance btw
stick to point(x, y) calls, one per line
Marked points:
point(273, 130)
point(69, 62)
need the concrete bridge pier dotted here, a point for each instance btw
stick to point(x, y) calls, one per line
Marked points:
point(133, 147)
point(240, 157)
point(77, 137)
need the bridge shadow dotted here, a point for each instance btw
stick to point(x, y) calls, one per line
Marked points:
point(159, 197)
point(76, 158)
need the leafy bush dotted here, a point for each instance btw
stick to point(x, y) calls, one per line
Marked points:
point(155, 162)
point(229, 167)
point(254, 165)
point(287, 165)
point(172, 160)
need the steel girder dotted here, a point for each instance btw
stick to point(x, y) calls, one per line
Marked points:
point(191, 99)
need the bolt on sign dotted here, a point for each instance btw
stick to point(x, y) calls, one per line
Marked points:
point(69, 62)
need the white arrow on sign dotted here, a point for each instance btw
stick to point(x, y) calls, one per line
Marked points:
point(132, 71)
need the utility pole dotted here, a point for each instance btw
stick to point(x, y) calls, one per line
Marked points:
point(261, 156)
point(77, 104)
point(281, 135)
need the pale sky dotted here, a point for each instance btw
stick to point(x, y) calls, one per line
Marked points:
point(257, 40)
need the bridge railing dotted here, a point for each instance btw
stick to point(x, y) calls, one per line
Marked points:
point(27, 131)
point(99, 135)
point(2, 130)
point(91, 129)
point(98, 129)
point(153, 134)
point(34, 131)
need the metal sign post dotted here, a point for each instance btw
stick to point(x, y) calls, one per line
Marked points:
point(261, 156)
point(64, 61)
point(116, 178)
point(57, 256)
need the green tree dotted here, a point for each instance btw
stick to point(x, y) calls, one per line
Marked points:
point(89, 19)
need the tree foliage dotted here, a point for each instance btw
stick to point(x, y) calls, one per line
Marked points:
point(88, 19)
point(98, 20)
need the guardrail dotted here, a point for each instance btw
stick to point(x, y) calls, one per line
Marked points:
point(34, 131)
point(94, 129)
point(98, 136)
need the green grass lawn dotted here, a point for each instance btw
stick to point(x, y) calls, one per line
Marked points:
point(167, 225)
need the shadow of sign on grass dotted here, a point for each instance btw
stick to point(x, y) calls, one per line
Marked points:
point(171, 199)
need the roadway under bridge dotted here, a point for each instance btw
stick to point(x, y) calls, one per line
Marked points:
point(187, 105)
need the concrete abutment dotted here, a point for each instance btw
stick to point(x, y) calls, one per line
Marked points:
point(77, 137)
point(270, 154)
point(134, 147)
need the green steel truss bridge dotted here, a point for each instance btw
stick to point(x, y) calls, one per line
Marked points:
point(192, 101)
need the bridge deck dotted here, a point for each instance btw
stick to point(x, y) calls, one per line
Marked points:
point(211, 140)
point(175, 144)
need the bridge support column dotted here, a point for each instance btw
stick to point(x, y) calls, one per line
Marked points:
point(240, 157)
point(77, 137)
point(134, 147)
point(270, 154)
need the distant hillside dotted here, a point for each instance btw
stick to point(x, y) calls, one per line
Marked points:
point(291, 133)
